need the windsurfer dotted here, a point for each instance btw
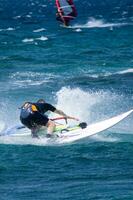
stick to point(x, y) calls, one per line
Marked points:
point(32, 116)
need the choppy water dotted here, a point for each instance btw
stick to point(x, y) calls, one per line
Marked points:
point(86, 70)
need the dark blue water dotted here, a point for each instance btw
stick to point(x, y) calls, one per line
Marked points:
point(85, 70)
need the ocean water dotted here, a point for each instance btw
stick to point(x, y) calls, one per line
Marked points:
point(85, 70)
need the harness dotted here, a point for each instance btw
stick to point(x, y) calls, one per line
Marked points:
point(27, 109)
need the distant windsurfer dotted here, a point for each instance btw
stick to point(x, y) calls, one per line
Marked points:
point(33, 117)
point(66, 11)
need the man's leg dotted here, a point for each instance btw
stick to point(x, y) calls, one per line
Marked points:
point(34, 132)
point(39, 121)
point(50, 128)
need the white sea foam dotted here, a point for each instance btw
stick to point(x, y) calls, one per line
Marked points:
point(78, 30)
point(26, 79)
point(104, 138)
point(126, 71)
point(28, 140)
point(106, 74)
point(28, 40)
point(2, 126)
point(33, 75)
point(94, 23)
point(84, 104)
point(90, 106)
point(42, 38)
point(39, 30)
point(119, 72)
point(8, 29)
point(21, 75)
point(27, 83)
point(17, 17)
point(70, 100)
point(28, 16)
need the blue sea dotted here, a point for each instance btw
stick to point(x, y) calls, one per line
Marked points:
point(86, 70)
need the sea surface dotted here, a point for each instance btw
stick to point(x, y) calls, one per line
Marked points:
point(86, 70)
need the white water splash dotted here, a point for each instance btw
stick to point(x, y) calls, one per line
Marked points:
point(2, 126)
point(75, 102)
point(96, 23)
point(87, 106)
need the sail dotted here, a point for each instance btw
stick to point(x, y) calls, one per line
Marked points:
point(66, 10)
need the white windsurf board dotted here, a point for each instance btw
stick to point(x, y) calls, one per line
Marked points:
point(92, 129)
point(74, 135)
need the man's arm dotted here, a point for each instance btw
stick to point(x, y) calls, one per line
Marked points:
point(60, 112)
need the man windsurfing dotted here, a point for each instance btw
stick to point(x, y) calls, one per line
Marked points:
point(33, 116)
point(66, 11)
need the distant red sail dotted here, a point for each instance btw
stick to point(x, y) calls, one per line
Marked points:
point(66, 11)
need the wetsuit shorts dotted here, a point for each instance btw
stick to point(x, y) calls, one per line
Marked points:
point(34, 119)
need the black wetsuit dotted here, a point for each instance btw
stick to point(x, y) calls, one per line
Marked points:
point(32, 118)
